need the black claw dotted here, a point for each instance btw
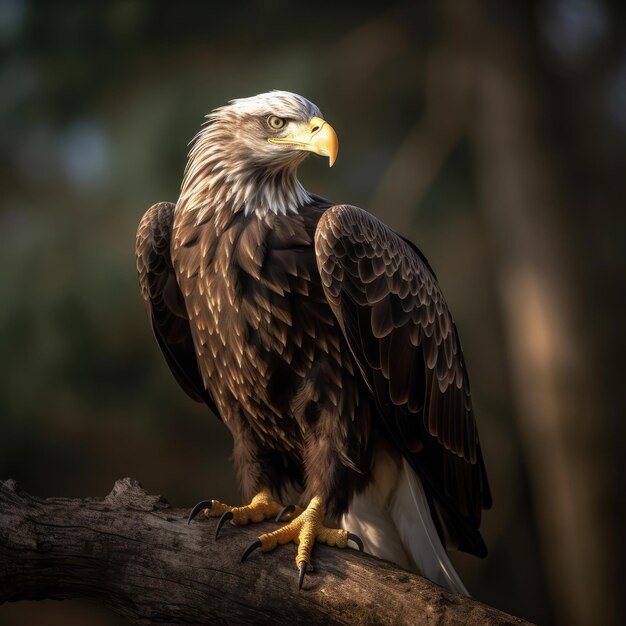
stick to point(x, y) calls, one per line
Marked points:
point(286, 509)
point(227, 515)
point(356, 539)
point(303, 566)
point(205, 504)
point(250, 549)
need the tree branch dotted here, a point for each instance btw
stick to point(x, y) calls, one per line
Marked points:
point(137, 555)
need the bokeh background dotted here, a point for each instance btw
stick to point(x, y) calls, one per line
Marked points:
point(493, 134)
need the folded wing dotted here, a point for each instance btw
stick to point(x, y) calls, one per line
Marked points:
point(389, 305)
point(164, 300)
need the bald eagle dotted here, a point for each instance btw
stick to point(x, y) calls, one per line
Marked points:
point(322, 340)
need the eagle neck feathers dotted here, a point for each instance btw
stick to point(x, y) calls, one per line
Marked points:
point(220, 181)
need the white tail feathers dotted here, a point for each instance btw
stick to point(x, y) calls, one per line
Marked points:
point(419, 534)
point(393, 519)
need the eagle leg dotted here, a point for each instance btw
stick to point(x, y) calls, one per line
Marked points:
point(261, 507)
point(304, 530)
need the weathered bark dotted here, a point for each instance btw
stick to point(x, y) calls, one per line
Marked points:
point(137, 555)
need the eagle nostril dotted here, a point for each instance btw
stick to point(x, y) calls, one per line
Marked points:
point(315, 128)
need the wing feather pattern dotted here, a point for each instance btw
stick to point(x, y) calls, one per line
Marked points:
point(164, 300)
point(389, 305)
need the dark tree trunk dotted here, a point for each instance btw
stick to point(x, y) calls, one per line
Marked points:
point(536, 214)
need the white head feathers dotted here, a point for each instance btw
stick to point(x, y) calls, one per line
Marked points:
point(233, 167)
point(280, 103)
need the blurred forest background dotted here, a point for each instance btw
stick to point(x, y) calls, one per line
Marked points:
point(493, 134)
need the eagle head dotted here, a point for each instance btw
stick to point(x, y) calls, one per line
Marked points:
point(247, 154)
point(276, 129)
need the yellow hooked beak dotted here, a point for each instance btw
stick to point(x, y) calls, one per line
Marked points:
point(315, 136)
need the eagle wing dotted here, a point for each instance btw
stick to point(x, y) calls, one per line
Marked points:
point(164, 300)
point(391, 310)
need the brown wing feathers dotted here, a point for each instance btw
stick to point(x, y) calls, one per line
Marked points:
point(398, 326)
point(164, 301)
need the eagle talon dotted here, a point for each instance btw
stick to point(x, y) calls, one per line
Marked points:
point(227, 515)
point(290, 508)
point(356, 540)
point(250, 549)
point(303, 567)
point(202, 505)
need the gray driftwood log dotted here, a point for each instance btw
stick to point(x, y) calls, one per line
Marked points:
point(136, 554)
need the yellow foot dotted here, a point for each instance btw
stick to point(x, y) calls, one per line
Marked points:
point(261, 507)
point(304, 530)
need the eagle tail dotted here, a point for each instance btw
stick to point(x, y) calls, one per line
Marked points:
point(411, 514)
point(393, 519)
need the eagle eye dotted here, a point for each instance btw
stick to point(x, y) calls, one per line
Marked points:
point(274, 122)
